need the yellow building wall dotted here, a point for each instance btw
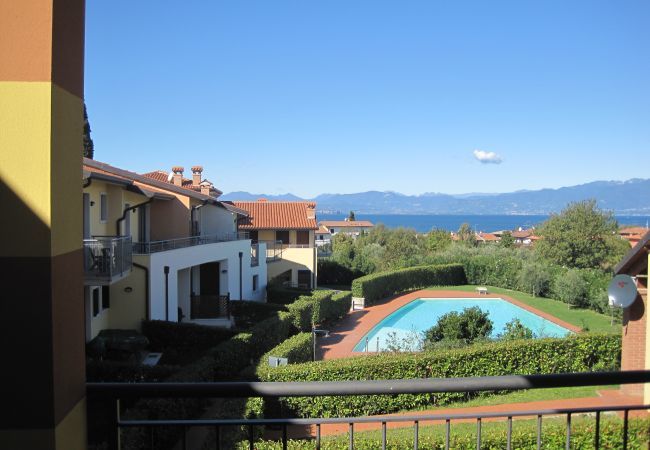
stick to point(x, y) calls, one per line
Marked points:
point(117, 198)
point(266, 235)
point(170, 219)
point(128, 309)
point(293, 259)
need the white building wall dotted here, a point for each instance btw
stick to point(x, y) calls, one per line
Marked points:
point(184, 258)
point(216, 220)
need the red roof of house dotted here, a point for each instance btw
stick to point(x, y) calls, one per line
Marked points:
point(640, 231)
point(346, 223)
point(487, 236)
point(163, 177)
point(265, 215)
point(522, 234)
point(322, 229)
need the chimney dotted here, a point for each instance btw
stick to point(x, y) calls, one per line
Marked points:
point(196, 175)
point(311, 210)
point(178, 175)
point(206, 187)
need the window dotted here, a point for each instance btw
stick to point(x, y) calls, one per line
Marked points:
point(332, 230)
point(106, 297)
point(304, 278)
point(302, 237)
point(95, 294)
point(103, 207)
point(282, 236)
point(254, 236)
point(255, 282)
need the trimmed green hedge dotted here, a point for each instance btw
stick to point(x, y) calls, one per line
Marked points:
point(163, 334)
point(380, 285)
point(579, 353)
point(322, 306)
point(493, 436)
point(247, 314)
point(98, 371)
point(297, 349)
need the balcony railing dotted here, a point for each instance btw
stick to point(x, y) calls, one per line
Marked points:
point(173, 244)
point(273, 250)
point(107, 259)
point(128, 391)
point(209, 306)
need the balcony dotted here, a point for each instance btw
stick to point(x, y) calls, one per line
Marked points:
point(107, 259)
point(273, 250)
point(417, 422)
point(146, 248)
point(255, 258)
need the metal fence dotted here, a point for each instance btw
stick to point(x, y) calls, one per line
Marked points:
point(117, 391)
point(107, 258)
point(173, 244)
point(273, 250)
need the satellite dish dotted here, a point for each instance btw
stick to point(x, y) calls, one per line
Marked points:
point(622, 291)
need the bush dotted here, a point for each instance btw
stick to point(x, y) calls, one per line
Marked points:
point(297, 349)
point(516, 330)
point(332, 272)
point(284, 295)
point(493, 436)
point(468, 326)
point(247, 314)
point(571, 288)
point(162, 334)
point(534, 279)
point(580, 353)
point(120, 372)
point(384, 284)
point(322, 306)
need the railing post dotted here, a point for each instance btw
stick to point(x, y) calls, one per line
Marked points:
point(114, 419)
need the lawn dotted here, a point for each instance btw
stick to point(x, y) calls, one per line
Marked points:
point(583, 318)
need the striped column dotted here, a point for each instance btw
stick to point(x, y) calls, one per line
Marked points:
point(42, 394)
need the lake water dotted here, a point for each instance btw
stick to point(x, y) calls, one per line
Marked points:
point(486, 223)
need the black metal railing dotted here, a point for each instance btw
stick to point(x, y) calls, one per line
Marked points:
point(107, 259)
point(190, 241)
point(118, 391)
point(210, 306)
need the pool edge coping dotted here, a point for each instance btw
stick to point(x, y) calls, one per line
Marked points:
point(376, 313)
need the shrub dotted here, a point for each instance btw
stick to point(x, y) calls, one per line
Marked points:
point(384, 284)
point(571, 288)
point(162, 334)
point(534, 279)
point(297, 349)
point(516, 330)
point(247, 314)
point(468, 326)
point(524, 437)
point(322, 306)
point(333, 272)
point(302, 312)
point(120, 372)
point(579, 353)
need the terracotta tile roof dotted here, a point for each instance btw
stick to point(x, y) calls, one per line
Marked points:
point(487, 236)
point(522, 234)
point(346, 223)
point(640, 231)
point(322, 229)
point(164, 177)
point(264, 215)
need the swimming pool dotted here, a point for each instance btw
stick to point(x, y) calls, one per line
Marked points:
point(423, 313)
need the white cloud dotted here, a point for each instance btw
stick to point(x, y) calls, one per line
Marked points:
point(487, 157)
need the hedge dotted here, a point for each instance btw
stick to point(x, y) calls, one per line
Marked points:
point(222, 362)
point(580, 353)
point(162, 334)
point(283, 295)
point(380, 285)
point(98, 371)
point(335, 273)
point(322, 306)
point(297, 349)
point(247, 314)
point(493, 436)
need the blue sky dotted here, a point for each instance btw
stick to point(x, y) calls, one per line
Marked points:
point(346, 96)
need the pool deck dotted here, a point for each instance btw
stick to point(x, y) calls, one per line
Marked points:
point(347, 333)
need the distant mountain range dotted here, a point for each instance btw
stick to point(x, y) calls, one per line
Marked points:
point(630, 197)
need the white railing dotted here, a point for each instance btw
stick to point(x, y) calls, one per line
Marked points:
point(173, 244)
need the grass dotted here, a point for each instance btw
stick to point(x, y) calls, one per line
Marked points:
point(583, 318)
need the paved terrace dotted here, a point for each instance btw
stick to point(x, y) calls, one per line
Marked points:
point(347, 333)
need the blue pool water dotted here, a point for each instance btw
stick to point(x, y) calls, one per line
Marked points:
point(421, 314)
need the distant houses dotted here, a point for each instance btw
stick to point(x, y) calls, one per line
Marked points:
point(329, 228)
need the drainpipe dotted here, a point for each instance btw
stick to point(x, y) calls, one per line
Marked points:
point(126, 211)
point(146, 289)
point(87, 182)
point(166, 270)
point(192, 209)
point(241, 255)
